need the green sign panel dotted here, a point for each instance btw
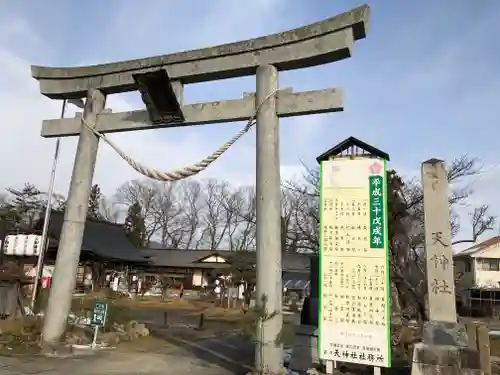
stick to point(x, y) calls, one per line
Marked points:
point(99, 314)
point(377, 227)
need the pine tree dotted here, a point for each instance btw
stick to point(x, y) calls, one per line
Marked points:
point(24, 207)
point(95, 199)
point(135, 226)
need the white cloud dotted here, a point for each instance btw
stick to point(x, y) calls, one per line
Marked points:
point(27, 157)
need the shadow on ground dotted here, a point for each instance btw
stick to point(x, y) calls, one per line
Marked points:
point(227, 351)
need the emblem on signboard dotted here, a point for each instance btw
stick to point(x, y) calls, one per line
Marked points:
point(375, 168)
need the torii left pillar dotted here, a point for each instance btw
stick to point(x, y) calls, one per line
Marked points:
point(268, 358)
point(68, 252)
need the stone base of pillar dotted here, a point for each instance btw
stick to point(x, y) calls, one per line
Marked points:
point(445, 350)
point(59, 350)
point(305, 351)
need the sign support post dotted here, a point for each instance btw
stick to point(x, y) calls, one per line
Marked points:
point(94, 339)
point(99, 316)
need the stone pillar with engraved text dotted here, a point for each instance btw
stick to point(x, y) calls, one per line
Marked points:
point(445, 346)
point(438, 253)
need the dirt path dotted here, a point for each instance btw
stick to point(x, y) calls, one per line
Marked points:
point(173, 361)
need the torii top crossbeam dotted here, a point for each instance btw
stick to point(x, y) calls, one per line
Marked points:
point(319, 43)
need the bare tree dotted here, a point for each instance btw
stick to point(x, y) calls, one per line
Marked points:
point(244, 237)
point(303, 229)
point(481, 222)
point(290, 211)
point(192, 214)
point(58, 202)
point(168, 211)
point(193, 202)
point(111, 210)
point(215, 218)
point(240, 218)
point(233, 205)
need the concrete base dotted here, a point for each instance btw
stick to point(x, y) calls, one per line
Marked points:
point(445, 360)
point(445, 333)
point(57, 350)
point(445, 349)
point(305, 352)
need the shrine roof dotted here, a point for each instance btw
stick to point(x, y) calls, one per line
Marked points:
point(191, 258)
point(103, 239)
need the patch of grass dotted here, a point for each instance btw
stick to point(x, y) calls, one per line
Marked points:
point(20, 336)
point(145, 302)
point(218, 314)
point(116, 312)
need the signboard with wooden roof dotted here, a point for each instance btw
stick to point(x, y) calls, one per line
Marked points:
point(354, 307)
point(352, 147)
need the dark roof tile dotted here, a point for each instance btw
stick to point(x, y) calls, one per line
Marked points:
point(104, 239)
point(190, 258)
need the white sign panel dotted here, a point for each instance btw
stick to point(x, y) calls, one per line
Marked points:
point(354, 319)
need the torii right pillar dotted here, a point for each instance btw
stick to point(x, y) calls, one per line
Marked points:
point(445, 348)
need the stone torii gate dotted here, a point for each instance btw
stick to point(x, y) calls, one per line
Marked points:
point(160, 80)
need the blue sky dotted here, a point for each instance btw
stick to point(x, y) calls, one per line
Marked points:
point(423, 84)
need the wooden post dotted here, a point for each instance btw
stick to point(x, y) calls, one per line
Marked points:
point(330, 367)
point(483, 346)
point(165, 319)
point(201, 322)
point(471, 333)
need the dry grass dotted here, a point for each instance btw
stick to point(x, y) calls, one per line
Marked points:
point(146, 302)
point(20, 336)
point(223, 315)
point(217, 319)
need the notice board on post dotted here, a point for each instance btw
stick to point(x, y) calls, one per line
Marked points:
point(354, 306)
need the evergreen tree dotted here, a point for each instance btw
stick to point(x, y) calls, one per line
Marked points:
point(95, 199)
point(135, 226)
point(24, 207)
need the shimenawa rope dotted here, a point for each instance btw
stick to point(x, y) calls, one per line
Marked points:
point(185, 172)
